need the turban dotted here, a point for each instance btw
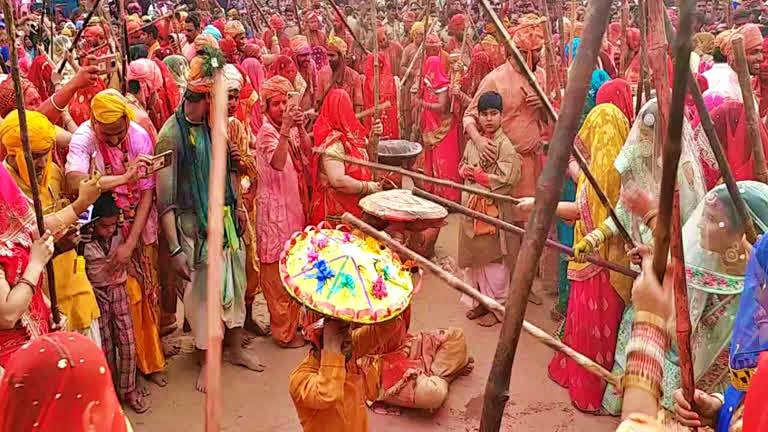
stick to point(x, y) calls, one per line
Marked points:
point(228, 47)
point(457, 23)
point(251, 51)
point(212, 31)
point(489, 40)
point(109, 106)
point(633, 38)
point(205, 41)
point(8, 95)
point(529, 35)
point(232, 13)
point(276, 23)
point(753, 39)
point(275, 86)
point(68, 31)
point(200, 77)
point(489, 100)
point(132, 26)
point(149, 76)
point(133, 8)
point(219, 24)
point(163, 29)
point(42, 136)
point(234, 28)
point(233, 77)
point(704, 43)
point(433, 41)
point(337, 45)
point(417, 29)
point(299, 45)
point(723, 41)
point(93, 31)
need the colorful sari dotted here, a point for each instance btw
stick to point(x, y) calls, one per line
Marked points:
point(440, 132)
point(387, 93)
point(338, 131)
point(599, 78)
point(597, 295)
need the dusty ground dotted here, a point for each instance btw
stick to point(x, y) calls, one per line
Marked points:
point(259, 402)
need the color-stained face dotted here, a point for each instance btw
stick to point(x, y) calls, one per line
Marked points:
point(754, 59)
point(233, 98)
point(113, 133)
point(276, 107)
point(190, 32)
point(105, 227)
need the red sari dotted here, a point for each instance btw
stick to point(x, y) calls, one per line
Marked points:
point(730, 122)
point(619, 93)
point(387, 92)
point(337, 124)
point(17, 222)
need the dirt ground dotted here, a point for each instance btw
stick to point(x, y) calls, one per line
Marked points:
point(259, 402)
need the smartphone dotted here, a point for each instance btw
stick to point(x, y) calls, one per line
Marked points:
point(293, 98)
point(106, 63)
point(158, 162)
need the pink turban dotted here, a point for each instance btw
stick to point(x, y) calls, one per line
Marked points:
point(433, 41)
point(300, 45)
point(276, 23)
point(148, 74)
point(752, 39)
point(457, 23)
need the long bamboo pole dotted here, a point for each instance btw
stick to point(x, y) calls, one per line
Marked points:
point(717, 149)
point(346, 25)
point(550, 110)
point(548, 190)
point(753, 120)
point(33, 186)
point(490, 304)
point(216, 186)
point(124, 48)
point(506, 226)
point(419, 176)
point(553, 78)
point(373, 142)
point(78, 36)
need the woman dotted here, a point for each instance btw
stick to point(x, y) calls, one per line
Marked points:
point(479, 67)
point(440, 132)
point(61, 382)
point(179, 68)
point(250, 107)
point(338, 186)
point(594, 288)
point(619, 93)
point(285, 67)
point(599, 78)
point(387, 93)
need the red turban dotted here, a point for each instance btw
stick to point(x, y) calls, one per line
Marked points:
point(614, 32)
point(276, 23)
point(633, 38)
point(220, 25)
point(457, 24)
point(433, 40)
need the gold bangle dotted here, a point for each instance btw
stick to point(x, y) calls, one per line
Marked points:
point(648, 217)
point(642, 383)
point(650, 318)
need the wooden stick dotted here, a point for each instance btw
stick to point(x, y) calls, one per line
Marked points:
point(753, 120)
point(216, 185)
point(78, 36)
point(346, 25)
point(644, 49)
point(370, 111)
point(298, 17)
point(124, 48)
point(623, 46)
point(28, 159)
point(506, 226)
point(490, 304)
point(419, 176)
point(522, 65)
point(553, 78)
point(373, 142)
point(261, 13)
point(416, 130)
point(548, 189)
point(572, 35)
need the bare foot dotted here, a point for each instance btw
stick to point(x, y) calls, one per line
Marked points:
point(171, 348)
point(489, 320)
point(160, 379)
point(535, 299)
point(137, 402)
point(201, 380)
point(245, 359)
point(141, 385)
point(383, 409)
point(466, 370)
point(297, 342)
point(477, 312)
point(256, 328)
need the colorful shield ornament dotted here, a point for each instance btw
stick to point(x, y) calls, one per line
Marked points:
point(351, 277)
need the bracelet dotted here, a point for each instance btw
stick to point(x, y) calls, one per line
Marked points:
point(646, 317)
point(176, 251)
point(648, 217)
point(53, 102)
point(363, 188)
point(25, 281)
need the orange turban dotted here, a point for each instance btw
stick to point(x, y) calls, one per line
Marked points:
point(300, 45)
point(275, 86)
point(529, 34)
point(204, 40)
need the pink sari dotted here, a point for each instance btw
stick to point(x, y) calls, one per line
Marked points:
point(440, 133)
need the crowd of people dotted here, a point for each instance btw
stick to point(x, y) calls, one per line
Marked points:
point(121, 140)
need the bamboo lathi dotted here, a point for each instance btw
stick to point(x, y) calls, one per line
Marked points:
point(373, 142)
point(419, 176)
point(753, 120)
point(548, 189)
point(506, 226)
point(346, 25)
point(490, 304)
point(33, 186)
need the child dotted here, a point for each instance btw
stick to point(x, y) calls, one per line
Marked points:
point(482, 248)
point(117, 337)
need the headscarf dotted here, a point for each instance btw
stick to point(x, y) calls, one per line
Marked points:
point(149, 76)
point(319, 56)
point(479, 67)
point(179, 68)
point(730, 122)
point(755, 415)
point(255, 71)
point(228, 47)
point(284, 66)
point(338, 115)
point(233, 77)
point(529, 34)
point(337, 45)
point(251, 50)
point(633, 38)
point(133, 8)
point(276, 23)
point(614, 32)
point(40, 73)
point(433, 41)
point(42, 137)
point(433, 74)
point(619, 93)
point(233, 28)
point(599, 77)
point(603, 134)
point(8, 95)
point(138, 51)
point(59, 381)
point(275, 86)
point(457, 23)
point(212, 31)
point(704, 43)
point(387, 93)
point(300, 45)
point(109, 106)
point(219, 24)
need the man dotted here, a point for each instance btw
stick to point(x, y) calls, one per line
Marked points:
point(390, 47)
point(339, 75)
point(275, 39)
point(456, 29)
point(151, 35)
point(409, 18)
point(302, 56)
point(182, 198)
point(523, 119)
point(408, 76)
point(722, 77)
point(236, 30)
point(315, 33)
point(340, 31)
point(191, 31)
point(283, 147)
point(145, 84)
point(117, 147)
point(394, 26)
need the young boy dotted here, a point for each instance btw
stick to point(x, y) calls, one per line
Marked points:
point(108, 280)
point(482, 248)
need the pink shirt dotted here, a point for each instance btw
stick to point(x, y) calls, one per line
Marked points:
point(280, 211)
point(84, 144)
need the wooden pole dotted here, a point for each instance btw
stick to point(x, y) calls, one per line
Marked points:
point(33, 186)
point(572, 35)
point(78, 36)
point(506, 226)
point(553, 78)
point(416, 129)
point(548, 190)
point(753, 120)
point(550, 110)
point(623, 46)
point(124, 46)
point(373, 142)
point(490, 304)
point(346, 25)
point(644, 47)
point(216, 186)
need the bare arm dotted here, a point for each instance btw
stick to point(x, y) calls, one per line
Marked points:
point(567, 210)
point(168, 224)
point(107, 182)
point(142, 214)
point(337, 177)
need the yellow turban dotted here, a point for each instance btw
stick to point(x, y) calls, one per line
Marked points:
point(109, 106)
point(42, 137)
point(417, 29)
point(338, 45)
